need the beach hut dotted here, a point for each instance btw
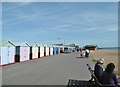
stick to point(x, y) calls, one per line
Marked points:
point(41, 51)
point(50, 50)
point(22, 52)
point(34, 51)
point(54, 50)
point(38, 49)
point(47, 50)
point(44, 51)
point(58, 50)
point(30, 51)
point(61, 49)
point(7, 53)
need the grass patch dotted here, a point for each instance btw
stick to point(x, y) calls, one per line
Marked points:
point(94, 61)
point(117, 72)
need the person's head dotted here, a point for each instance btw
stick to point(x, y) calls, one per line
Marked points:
point(110, 67)
point(100, 61)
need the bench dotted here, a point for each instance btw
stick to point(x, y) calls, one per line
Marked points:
point(97, 84)
point(93, 82)
point(80, 83)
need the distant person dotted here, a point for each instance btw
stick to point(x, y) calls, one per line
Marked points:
point(77, 49)
point(73, 50)
point(87, 52)
point(81, 53)
point(109, 76)
point(98, 69)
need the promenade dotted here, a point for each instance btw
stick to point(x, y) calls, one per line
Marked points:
point(51, 70)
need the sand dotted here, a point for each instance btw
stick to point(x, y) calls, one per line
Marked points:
point(108, 55)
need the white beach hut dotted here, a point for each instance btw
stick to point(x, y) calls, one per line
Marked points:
point(41, 51)
point(50, 50)
point(30, 51)
point(22, 52)
point(38, 49)
point(34, 51)
point(7, 53)
point(46, 50)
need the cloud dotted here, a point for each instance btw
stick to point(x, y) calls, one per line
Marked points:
point(35, 15)
point(16, 5)
point(20, 18)
point(46, 22)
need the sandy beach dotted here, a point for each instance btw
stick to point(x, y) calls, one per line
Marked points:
point(108, 55)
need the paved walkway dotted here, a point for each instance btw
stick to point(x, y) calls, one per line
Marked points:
point(52, 70)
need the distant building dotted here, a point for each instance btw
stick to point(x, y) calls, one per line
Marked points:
point(58, 44)
point(90, 47)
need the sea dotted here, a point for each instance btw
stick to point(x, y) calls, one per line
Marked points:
point(110, 48)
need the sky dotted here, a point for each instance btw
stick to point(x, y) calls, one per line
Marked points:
point(82, 23)
point(60, 0)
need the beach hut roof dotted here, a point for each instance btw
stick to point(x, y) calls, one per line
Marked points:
point(41, 45)
point(36, 44)
point(8, 43)
point(56, 46)
point(33, 45)
point(50, 45)
point(27, 44)
point(45, 45)
point(21, 44)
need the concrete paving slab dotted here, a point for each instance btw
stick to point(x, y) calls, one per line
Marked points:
point(51, 70)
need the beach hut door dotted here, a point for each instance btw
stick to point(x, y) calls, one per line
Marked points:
point(11, 52)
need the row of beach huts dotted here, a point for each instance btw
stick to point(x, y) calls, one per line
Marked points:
point(10, 53)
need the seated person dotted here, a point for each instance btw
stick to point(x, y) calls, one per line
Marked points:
point(109, 76)
point(98, 69)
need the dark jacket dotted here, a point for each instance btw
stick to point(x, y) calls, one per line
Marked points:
point(109, 78)
point(98, 71)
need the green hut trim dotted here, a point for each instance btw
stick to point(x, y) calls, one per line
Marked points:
point(9, 43)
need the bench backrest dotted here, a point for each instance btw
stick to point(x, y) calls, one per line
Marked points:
point(90, 69)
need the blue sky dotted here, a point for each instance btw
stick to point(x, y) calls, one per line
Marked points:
point(82, 23)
